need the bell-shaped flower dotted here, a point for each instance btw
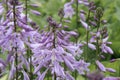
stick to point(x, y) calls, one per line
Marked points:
point(112, 78)
point(111, 70)
point(85, 25)
point(101, 66)
point(68, 10)
point(82, 66)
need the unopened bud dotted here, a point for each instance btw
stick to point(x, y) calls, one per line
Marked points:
point(99, 12)
point(61, 13)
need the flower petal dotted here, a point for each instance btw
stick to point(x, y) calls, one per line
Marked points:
point(101, 66)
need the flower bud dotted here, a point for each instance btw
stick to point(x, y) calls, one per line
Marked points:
point(104, 22)
point(61, 13)
point(12, 2)
point(99, 12)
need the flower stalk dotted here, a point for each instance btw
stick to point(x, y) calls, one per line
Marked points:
point(99, 14)
point(15, 30)
point(87, 39)
point(77, 13)
point(77, 25)
point(87, 35)
point(29, 51)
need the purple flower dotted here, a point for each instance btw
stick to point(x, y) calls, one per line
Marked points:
point(26, 77)
point(97, 75)
point(36, 12)
point(85, 25)
point(106, 49)
point(34, 5)
point(101, 66)
point(69, 64)
point(85, 2)
point(69, 77)
point(104, 46)
point(111, 70)
point(82, 66)
point(82, 16)
point(54, 49)
point(58, 70)
point(12, 39)
point(12, 71)
point(42, 76)
point(92, 46)
point(112, 78)
point(68, 10)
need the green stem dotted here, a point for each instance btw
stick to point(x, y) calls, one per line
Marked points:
point(61, 20)
point(15, 26)
point(77, 24)
point(54, 37)
point(119, 70)
point(29, 51)
point(75, 74)
point(48, 77)
point(77, 14)
point(87, 40)
point(87, 37)
point(54, 46)
point(16, 61)
point(6, 6)
point(97, 44)
point(31, 75)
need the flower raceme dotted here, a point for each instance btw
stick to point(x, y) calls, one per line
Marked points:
point(12, 39)
point(53, 55)
point(100, 37)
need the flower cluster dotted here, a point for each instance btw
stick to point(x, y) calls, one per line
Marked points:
point(13, 39)
point(55, 52)
point(99, 36)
